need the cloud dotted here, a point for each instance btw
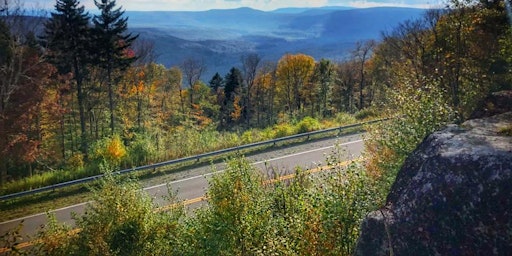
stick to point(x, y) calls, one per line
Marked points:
point(200, 5)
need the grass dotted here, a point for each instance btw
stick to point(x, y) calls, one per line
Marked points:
point(42, 202)
point(45, 201)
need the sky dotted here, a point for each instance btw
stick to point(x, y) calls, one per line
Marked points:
point(266, 5)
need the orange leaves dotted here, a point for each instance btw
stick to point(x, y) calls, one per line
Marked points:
point(115, 149)
point(199, 117)
point(112, 150)
point(237, 109)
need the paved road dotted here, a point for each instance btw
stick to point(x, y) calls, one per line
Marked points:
point(193, 183)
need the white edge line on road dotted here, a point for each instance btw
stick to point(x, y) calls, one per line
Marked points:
point(187, 179)
point(255, 163)
point(44, 213)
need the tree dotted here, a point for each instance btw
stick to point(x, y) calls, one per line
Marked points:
point(24, 78)
point(265, 92)
point(469, 40)
point(216, 82)
point(324, 73)
point(344, 84)
point(145, 52)
point(175, 80)
point(293, 72)
point(250, 65)
point(113, 43)
point(67, 36)
point(232, 92)
point(192, 71)
point(362, 53)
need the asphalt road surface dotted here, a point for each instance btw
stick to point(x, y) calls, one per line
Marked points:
point(192, 184)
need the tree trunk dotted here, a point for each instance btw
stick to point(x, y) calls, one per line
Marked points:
point(110, 99)
point(80, 98)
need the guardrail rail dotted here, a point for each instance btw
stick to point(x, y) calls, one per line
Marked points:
point(185, 159)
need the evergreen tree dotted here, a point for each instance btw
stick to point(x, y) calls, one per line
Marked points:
point(233, 83)
point(216, 82)
point(67, 36)
point(113, 45)
point(5, 39)
point(232, 90)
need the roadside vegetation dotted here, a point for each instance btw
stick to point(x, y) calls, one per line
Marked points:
point(425, 73)
point(130, 111)
point(245, 215)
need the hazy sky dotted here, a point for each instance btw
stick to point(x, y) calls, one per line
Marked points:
point(199, 5)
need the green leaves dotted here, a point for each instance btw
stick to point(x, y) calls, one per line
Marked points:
point(245, 215)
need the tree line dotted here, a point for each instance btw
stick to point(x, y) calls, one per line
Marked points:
point(82, 86)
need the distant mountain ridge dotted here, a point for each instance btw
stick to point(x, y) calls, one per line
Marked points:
point(221, 37)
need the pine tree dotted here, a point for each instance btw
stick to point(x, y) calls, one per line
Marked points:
point(233, 82)
point(67, 36)
point(113, 45)
point(216, 82)
point(232, 90)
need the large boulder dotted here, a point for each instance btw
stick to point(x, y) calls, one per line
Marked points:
point(452, 196)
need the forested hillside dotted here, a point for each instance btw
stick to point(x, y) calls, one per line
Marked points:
point(87, 93)
point(219, 37)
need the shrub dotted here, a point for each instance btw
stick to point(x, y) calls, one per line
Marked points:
point(142, 150)
point(119, 221)
point(236, 222)
point(75, 161)
point(247, 137)
point(282, 130)
point(110, 150)
point(307, 124)
point(418, 113)
point(344, 118)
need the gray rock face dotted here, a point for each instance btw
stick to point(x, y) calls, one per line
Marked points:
point(453, 196)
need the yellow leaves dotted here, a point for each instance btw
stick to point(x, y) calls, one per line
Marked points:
point(112, 150)
point(293, 73)
point(137, 89)
point(116, 150)
point(237, 112)
point(199, 117)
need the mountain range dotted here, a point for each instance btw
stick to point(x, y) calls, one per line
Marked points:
point(220, 37)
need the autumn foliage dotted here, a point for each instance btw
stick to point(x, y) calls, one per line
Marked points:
point(64, 110)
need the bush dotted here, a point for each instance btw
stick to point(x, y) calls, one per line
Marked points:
point(110, 150)
point(344, 118)
point(119, 221)
point(307, 124)
point(282, 130)
point(306, 215)
point(418, 113)
point(237, 219)
point(142, 150)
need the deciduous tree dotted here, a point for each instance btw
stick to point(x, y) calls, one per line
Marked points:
point(67, 37)
point(293, 73)
point(250, 65)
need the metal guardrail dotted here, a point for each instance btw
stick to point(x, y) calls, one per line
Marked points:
point(185, 159)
